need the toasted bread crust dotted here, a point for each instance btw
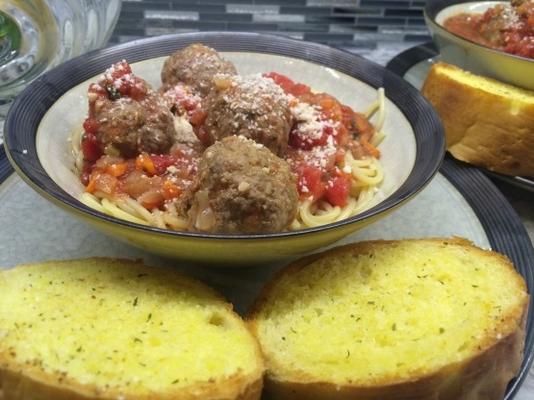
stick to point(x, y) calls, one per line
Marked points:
point(27, 382)
point(482, 377)
point(494, 131)
point(19, 386)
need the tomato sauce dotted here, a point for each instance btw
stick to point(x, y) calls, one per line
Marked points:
point(503, 27)
point(316, 158)
point(465, 25)
point(152, 179)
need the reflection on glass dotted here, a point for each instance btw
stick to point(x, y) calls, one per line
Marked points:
point(39, 34)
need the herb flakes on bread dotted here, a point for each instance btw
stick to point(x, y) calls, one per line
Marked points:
point(414, 319)
point(116, 329)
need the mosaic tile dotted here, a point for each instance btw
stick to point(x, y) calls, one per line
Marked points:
point(347, 23)
point(175, 15)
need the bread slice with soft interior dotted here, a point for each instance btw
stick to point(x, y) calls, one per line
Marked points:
point(117, 329)
point(487, 123)
point(413, 319)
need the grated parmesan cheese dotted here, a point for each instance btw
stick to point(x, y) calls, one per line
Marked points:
point(308, 119)
point(254, 143)
point(319, 156)
point(310, 125)
point(254, 90)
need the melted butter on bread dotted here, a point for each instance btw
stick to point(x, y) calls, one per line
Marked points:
point(413, 316)
point(103, 328)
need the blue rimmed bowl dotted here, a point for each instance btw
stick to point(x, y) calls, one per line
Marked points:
point(43, 118)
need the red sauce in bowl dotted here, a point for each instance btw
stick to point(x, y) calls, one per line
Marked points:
point(509, 28)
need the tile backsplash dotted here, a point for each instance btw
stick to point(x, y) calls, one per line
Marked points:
point(352, 24)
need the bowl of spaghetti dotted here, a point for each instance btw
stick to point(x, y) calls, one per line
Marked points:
point(227, 148)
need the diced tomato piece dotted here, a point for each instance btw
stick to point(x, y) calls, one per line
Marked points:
point(337, 191)
point(310, 181)
point(105, 183)
point(331, 108)
point(120, 69)
point(136, 183)
point(106, 161)
point(203, 136)
point(144, 162)
point(327, 102)
point(91, 125)
point(170, 190)
point(281, 80)
point(152, 199)
point(119, 81)
point(287, 85)
point(299, 89)
point(137, 92)
point(90, 147)
point(189, 103)
point(138, 89)
point(363, 127)
point(124, 88)
point(198, 117)
point(370, 149)
point(117, 169)
point(133, 88)
point(352, 124)
point(162, 162)
point(340, 156)
point(95, 88)
point(91, 184)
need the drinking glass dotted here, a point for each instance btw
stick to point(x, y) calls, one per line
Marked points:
point(36, 35)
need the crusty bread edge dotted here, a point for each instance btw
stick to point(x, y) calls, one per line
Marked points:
point(483, 377)
point(22, 382)
point(469, 115)
point(17, 386)
point(464, 380)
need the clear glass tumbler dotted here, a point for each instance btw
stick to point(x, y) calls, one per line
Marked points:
point(36, 35)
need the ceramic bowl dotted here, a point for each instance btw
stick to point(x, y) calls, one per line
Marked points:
point(43, 118)
point(469, 55)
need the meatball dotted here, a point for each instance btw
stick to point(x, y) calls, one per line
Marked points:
point(132, 127)
point(195, 66)
point(242, 187)
point(252, 106)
